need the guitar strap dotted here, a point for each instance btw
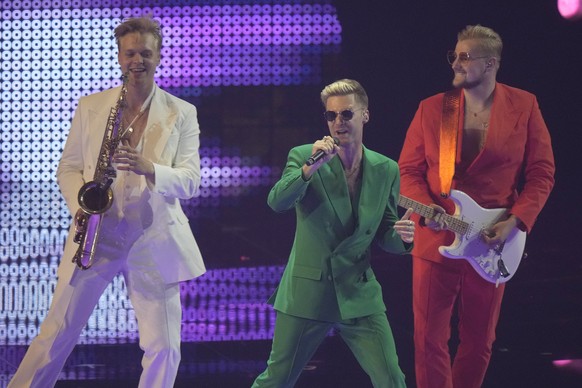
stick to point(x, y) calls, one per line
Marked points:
point(448, 139)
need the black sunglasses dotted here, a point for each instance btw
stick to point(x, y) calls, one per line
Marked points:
point(346, 115)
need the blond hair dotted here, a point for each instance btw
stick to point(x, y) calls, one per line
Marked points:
point(143, 25)
point(344, 87)
point(487, 39)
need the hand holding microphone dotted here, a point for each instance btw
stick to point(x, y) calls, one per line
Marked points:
point(324, 150)
point(326, 146)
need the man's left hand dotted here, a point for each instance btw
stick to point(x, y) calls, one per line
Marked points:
point(128, 159)
point(405, 227)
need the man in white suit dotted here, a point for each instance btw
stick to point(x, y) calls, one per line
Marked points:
point(145, 235)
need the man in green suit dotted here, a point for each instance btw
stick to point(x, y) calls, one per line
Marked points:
point(345, 198)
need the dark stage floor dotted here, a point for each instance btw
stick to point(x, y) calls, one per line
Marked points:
point(540, 327)
point(236, 364)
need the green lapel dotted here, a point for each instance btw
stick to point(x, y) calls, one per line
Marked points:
point(374, 180)
point(336, 188)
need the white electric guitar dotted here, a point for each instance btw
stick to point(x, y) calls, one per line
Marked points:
point(496, 264)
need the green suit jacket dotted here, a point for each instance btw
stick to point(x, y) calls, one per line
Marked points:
point(328, 276)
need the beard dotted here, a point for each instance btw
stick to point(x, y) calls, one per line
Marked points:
point(465, 84)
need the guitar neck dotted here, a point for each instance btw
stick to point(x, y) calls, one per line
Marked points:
point(425, 211)
point(417, 207)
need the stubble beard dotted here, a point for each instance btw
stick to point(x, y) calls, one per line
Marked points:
point(464, 84)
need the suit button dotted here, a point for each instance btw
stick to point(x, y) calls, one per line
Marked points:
point(329, 278)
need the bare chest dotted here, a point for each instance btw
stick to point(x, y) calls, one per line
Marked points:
point(135, 125)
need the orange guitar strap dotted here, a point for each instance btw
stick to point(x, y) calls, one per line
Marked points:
point(448, 139)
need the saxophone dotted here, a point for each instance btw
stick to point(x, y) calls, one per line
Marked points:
point(96, 197)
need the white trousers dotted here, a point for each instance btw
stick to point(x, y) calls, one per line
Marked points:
point(156, 305)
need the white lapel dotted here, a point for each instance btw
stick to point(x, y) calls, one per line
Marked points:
point(161, 121)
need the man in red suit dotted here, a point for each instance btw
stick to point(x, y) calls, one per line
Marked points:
point(490, 142)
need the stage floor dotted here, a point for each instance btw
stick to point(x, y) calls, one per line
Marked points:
point(539, 328)
point(236, 364)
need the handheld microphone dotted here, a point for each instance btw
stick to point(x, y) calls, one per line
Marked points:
point(319, 154)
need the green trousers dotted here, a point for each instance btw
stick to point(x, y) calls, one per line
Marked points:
point(296, 339)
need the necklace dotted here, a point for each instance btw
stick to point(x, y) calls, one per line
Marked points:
point(484, 123)
point(352, 179)
point(128, 129)
point(353, 171)
point(127, 132)
point(486, 109)
point(475, 114)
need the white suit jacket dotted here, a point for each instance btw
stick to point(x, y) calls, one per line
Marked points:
point(171, 142)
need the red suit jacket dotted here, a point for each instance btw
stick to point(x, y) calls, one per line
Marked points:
point(515, 169)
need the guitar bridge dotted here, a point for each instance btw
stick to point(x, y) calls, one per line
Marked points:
point(500, 264)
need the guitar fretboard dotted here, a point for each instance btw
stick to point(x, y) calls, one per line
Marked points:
point(454, 224)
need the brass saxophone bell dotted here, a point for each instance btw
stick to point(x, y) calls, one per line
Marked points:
point(95, 198)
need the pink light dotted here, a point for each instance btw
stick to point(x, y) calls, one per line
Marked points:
point(570, 9)
point(571, 365)
point(560, 363)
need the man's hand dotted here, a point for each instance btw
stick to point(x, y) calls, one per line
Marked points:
point(405, 227)
point(326, 145)
point(128, 159)
point(499, 232)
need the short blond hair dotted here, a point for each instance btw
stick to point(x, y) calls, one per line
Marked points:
point(143, 25)
point(488, 40)
point(344, 87)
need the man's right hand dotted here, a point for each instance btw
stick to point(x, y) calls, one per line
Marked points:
point(328, 146)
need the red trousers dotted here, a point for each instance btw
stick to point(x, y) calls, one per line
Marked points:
point(436, 289)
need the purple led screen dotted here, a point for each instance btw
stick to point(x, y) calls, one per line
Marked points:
point(55, 51)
